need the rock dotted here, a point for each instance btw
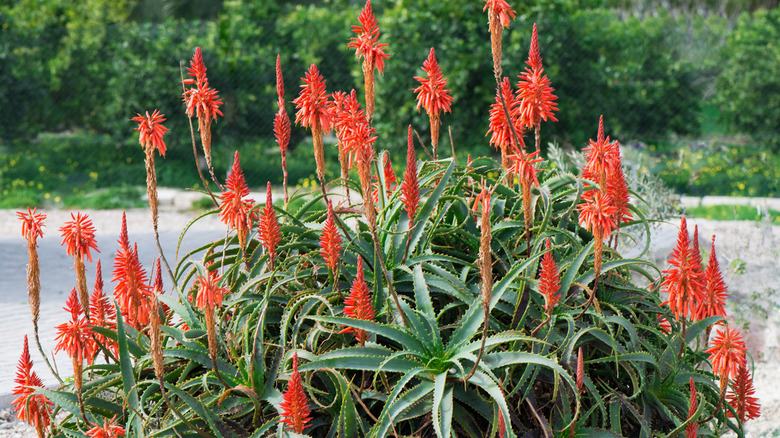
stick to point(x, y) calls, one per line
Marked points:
point(6, 416)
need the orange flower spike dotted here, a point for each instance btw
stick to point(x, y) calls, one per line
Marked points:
point(210, 294)
point(268, 226)
point(549, 281)
point(312, 104)
point(132, 290)
point(683, 281)
point(109, 429)
point(151, 131)
point(741, 396)
point(617, 189)
point(715, 292)
point(433, 96)
point(692, 429)
point(410, 186)
point(282, 131)
point(235, 211)
point(296, 413)
point(597, 214)
point(202, 101)
point(537, 101)
point(727, 353)
point(500, 128)
point(358, 305)
point(524, 167)
point(603, 158)
point(30, 407)
point(78, 236)
point(330, 241)
point(32, 224)
point(348, 122)
point(75, 336)
point(279, 83)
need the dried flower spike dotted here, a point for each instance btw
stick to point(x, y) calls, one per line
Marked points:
point(499, 14)
point(32, 229)
point(296, 413)
point(433, 95)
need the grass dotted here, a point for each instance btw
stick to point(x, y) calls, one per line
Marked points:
point(734, 213)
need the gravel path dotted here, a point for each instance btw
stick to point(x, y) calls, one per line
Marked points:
point(747, 252)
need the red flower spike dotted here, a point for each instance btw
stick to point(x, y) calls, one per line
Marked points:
point(132, 291)
point(410, 186)
point(312, 102)
point(201, 101)
point(696, 250)
point(580, 370)
point(534, 57)
point(197, 69)
point(741, 396)
point(727, 353)
point(157, 286)
point(210, 294)
point(30, 407)
point(366, 44)
point(75, 336)
point(352, 126)
point(108, 430)
point(692, 429)
point(102, 312)
point(683, 281)
point(500, 129)
point(268, 226)
point(359, 305)
point(502, 9)
point(715, 293)
point(390, 178)
point(432, 94)
point(78, 236)
point(549, 281)
point(32, 224)
point(151, 131)
point(235, 211)
point(279, 83)
point(602, 158)
point(617, 189)
point(597, 213)
point(330, 241)
point(282, 130)
point(296, 413)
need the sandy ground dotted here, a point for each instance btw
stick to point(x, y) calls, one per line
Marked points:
point(747, 252)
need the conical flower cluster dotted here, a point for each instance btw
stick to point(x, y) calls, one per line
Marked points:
point(433, 95)
point(330, 241)
point(30, 407)
point(296, 413)
point(359, 304)
point(269, 229)
point(202, 101)
point(132, 290)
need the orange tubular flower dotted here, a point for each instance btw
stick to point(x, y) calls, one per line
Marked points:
point(313, 113)
point(151, 131)
point(235, 211)
point(549, 281)
point(102, 313)
point(201, 101)
point(367, 46)
point(210, 294)
point(132, 291)
point(32, 224)
point(664, 324)
point(534, 91)
point(603, 158)
point(500, 129)
point(410, 186)
point(296, 413)
point(75, 336)
point(268, 226)
point(433, 96)
point(597, 214)
point(684, 281)
point(330, 241)
point(30, 407)
point(358, 305)
point(108, 430)
point(727, 353)
point(692, 429)
point(617, 189)
point(349, 117)
point(78, 236)
point(741, 396)
point(715, 293)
